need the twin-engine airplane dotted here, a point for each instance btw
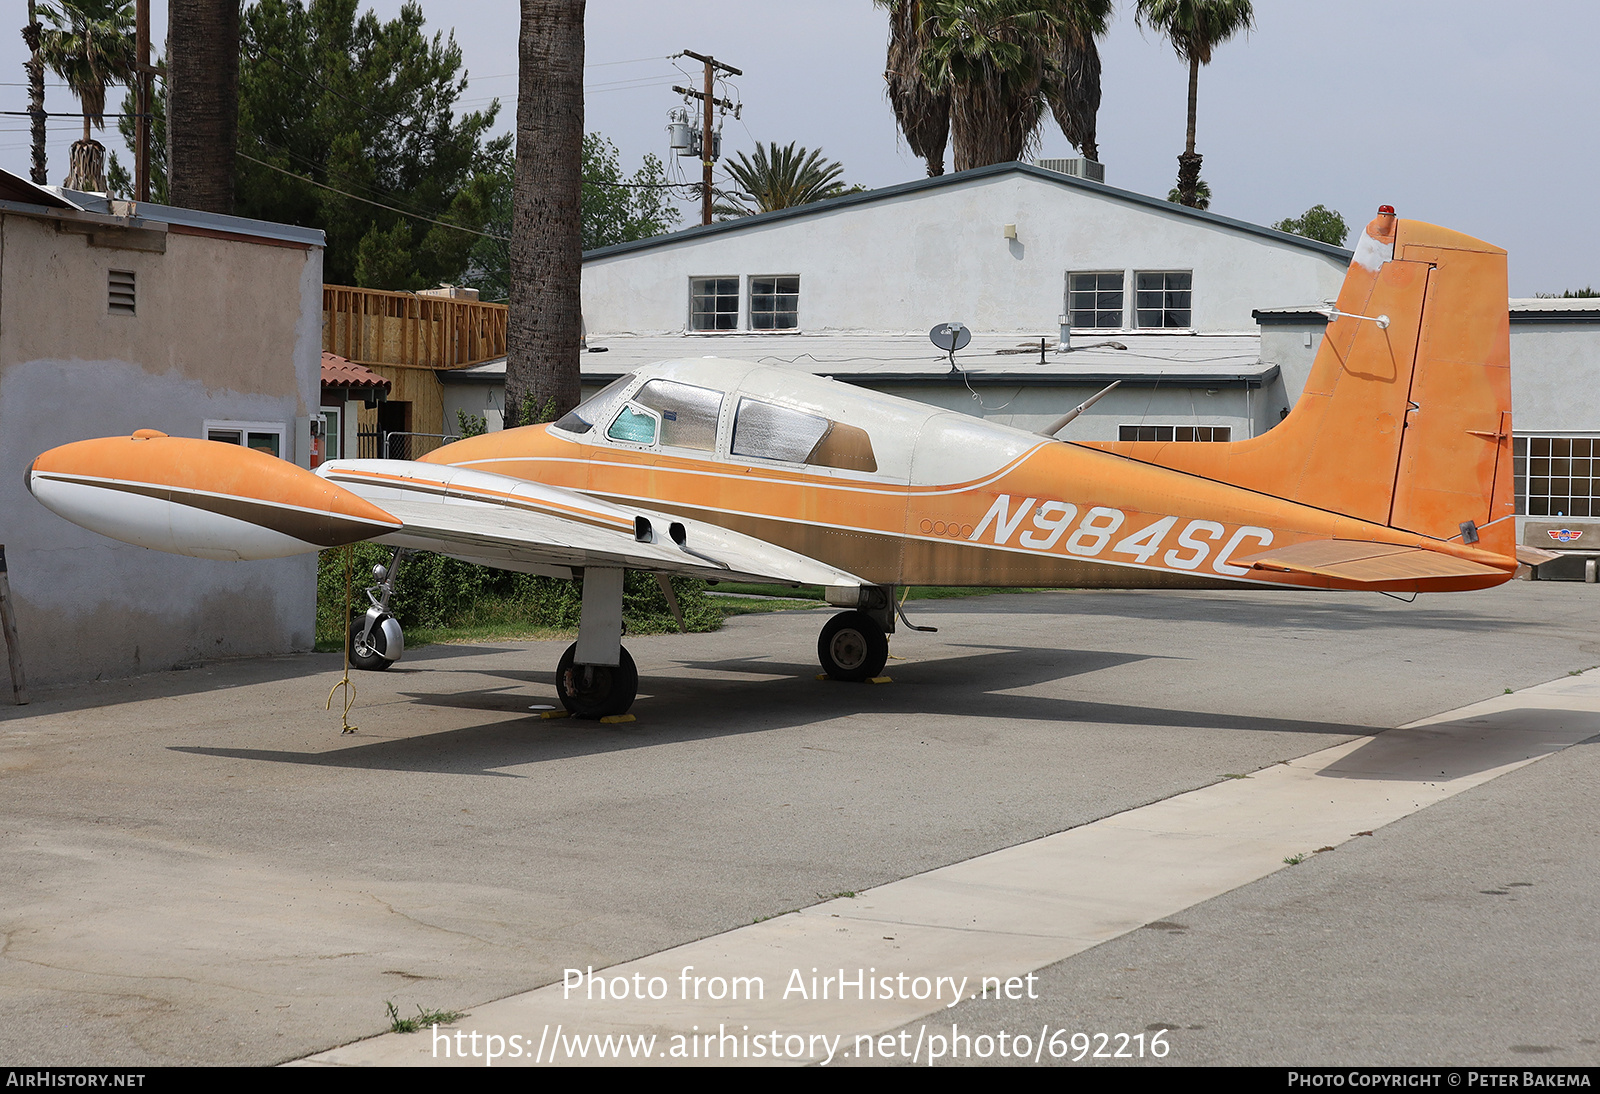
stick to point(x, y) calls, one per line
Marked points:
point(1393, 473)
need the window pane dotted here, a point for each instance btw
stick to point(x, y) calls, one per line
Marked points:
point(774, 303)
point(688, 413)
point(265, 442)
point(633, 426)
point(773, 432)
point(1094, 299)
point(596, 408)
point(226, 436)
point(1163, 298)
point(714, 303)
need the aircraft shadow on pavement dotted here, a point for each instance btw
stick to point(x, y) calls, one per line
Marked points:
point(695, 707)
point(1449, 750)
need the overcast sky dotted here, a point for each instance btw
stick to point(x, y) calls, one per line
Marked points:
point(1475, 115)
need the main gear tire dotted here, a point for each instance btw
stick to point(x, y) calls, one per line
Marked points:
point(852, 647)
point(596, 691)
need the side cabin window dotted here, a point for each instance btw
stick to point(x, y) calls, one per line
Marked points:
point(688, 413)
point(634, 426)
point(767, 431)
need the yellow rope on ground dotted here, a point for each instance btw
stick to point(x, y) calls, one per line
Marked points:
point(349, 688)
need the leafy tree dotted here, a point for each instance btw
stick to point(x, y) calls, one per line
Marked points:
point(1317, 222)
point(614, 209)
point(988, 69)
point(90, 45)
point(779, 179)
point(1588, 292)
point(348, 124)
point(617, 209)
point(1195, 28)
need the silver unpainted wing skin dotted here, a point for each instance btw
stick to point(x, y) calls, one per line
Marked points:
point(514, 524)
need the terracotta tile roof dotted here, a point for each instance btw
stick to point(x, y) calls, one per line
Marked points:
point(338, 372)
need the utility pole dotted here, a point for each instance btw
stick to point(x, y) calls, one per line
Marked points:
point(713, 66)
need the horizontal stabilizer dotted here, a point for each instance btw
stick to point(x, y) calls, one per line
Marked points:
point(1534, 556)
point(1368, 563)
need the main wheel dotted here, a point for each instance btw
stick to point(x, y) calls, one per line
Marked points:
point(595, 691)
point(852, 647)
point(368, 654)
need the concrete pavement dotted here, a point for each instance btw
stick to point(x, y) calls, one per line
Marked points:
point(205, 871)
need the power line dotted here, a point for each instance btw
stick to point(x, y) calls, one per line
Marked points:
point(369, 201)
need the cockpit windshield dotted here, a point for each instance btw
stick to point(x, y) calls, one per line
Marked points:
point(596, 408)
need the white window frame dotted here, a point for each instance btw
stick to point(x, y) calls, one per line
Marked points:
point(244, 429)
point(750, 303)
point(738, 300)
point(1122, 316)
point(1134, 309)
point(1523, 474)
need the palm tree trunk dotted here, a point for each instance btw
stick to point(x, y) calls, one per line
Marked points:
point(1189, 162)
point(202, 103)
point(545, 319)
point(35, 68)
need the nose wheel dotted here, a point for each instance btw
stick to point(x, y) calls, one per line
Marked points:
point(596, 691)
point(852, 646)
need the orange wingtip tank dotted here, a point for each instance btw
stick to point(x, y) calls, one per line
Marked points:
point(200, 498)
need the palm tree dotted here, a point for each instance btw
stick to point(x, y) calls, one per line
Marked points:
point(90, 46)
point(202, 88)
point(986, 69)
point(545, 324)
point(1195, 28)
point(779, 179)
point(34, 66)
point(922, 113)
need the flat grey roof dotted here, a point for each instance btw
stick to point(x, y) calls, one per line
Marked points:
point(18, 195)
point(888, 358)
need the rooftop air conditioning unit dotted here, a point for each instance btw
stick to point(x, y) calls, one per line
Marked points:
point(1079, 167)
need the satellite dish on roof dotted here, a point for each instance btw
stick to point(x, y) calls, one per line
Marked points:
point(950, 336)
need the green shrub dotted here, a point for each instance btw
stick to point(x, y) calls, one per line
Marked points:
point(435, 592)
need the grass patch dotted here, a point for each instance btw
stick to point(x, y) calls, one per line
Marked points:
point(1294, 860)
point(423, 1020)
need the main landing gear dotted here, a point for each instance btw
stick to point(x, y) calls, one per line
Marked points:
point(596, 677)
point(854, 645)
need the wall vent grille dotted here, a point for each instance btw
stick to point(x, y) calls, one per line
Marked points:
point(120, 293)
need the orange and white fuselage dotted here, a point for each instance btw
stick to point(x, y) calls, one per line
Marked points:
point(1393, 473)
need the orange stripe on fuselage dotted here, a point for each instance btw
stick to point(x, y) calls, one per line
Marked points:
point(1072, 502)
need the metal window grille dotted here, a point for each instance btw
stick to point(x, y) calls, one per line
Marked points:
point(714, 303)
point(120, 292)
point(1557, 476)
point(1162, 298)
point(1095, 299)
point(774, 303)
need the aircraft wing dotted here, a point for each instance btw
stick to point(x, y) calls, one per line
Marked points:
point(515, 524)
point(1367, 563)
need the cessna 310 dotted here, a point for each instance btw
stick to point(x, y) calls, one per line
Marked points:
point(1393, 473)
